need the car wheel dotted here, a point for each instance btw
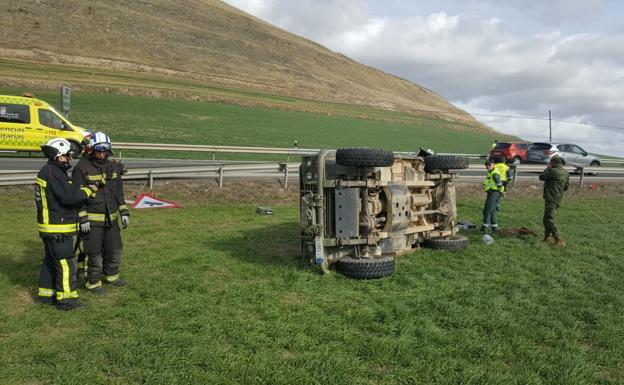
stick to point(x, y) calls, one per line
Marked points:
point(446, 162)
point(453, 243)
point(516, 161)
point(594, 163)
point(366, 268)
point(364, 157)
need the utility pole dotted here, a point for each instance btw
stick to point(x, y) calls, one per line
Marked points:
point(549, 127)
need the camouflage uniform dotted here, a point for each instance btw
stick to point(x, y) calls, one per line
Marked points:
point(556, 181)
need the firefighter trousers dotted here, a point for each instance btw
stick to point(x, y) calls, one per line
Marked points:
point(57, 278)
point(104, 248)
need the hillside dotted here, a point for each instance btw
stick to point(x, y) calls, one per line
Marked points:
point(205, 43)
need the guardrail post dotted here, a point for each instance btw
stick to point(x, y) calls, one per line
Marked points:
point(582, 174)
point(220, 177)
point(286, 176)
point(151, 179)
point(515, 176)
point(213, 155)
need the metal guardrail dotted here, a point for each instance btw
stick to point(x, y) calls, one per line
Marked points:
point(282, 170)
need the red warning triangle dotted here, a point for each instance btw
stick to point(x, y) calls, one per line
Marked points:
point(149, 201)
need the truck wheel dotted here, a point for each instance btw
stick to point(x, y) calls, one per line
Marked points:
point(364, 157)
point(453, 243)
point(366, 268)
point(516, 160)
point(446, 162)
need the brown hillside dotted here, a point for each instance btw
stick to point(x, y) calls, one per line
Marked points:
point(208, 42)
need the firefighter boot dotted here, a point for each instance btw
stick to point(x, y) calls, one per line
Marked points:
point(546, 239)
point(120, 282)
point(69, 305)
point(98, 290)
point(559, 241)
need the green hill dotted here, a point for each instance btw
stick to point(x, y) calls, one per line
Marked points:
point(204, 50)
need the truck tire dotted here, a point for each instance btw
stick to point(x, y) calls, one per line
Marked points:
point(452, 243)
point(364, 157)
point(368, 268)
point(445, 162)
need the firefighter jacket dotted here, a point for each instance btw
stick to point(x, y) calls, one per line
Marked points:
point(108, 203)
point(556, 181)
point(493, 181)
point(57, 201)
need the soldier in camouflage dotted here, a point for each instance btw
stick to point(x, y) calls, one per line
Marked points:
point(556, 181)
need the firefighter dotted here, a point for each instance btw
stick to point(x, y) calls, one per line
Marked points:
point(556, 181)
point(493, 187)
point(81, 257)
point(100, 215)
point(57, 202)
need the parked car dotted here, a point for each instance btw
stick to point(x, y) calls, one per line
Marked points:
point(512, 152)
point(26, 123)
point(571, 154)
point(360, 207)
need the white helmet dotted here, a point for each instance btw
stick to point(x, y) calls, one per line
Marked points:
point(101, 142)
point(57, 147)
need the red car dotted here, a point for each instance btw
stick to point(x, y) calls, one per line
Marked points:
point(512, 152)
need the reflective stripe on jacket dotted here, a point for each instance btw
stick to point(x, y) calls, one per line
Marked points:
point(109, 202)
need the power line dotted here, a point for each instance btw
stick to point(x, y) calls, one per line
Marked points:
point(522, 117)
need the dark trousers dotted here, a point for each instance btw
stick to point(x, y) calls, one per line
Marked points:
point(550, 210)
point(104, 248)
point(57, 278)
point(489, 209)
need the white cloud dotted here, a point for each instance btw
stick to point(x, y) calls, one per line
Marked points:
point(476, 54)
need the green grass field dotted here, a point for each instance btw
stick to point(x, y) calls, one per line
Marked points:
point(218, 295)
point(144, 119)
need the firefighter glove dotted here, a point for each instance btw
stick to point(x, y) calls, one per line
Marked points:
point(93, 189)
point(85, 227)
point(125, 221)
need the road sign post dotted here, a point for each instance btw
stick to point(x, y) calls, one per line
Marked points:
point(65, 99)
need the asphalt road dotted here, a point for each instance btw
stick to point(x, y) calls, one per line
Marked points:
point(34, 164)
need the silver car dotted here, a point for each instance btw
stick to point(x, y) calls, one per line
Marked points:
point(571, 154)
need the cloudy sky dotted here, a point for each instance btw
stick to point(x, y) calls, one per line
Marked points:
point(509, 58)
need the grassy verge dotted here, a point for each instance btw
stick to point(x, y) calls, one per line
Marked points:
point(153, 120)
point(218, 295)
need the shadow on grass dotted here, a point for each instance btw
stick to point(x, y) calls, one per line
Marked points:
point(271, 245)
point(23, 270)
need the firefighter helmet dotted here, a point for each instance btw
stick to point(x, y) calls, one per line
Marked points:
point(57, 147)
point(101, 142)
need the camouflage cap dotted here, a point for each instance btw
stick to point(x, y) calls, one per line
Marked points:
point(556, 160)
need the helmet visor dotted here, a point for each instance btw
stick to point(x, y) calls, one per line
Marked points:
point(102, 147)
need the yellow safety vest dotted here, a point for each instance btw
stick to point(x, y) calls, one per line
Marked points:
point(490, 184)
point(502, 170)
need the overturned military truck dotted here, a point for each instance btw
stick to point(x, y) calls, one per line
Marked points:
point(361, 207)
